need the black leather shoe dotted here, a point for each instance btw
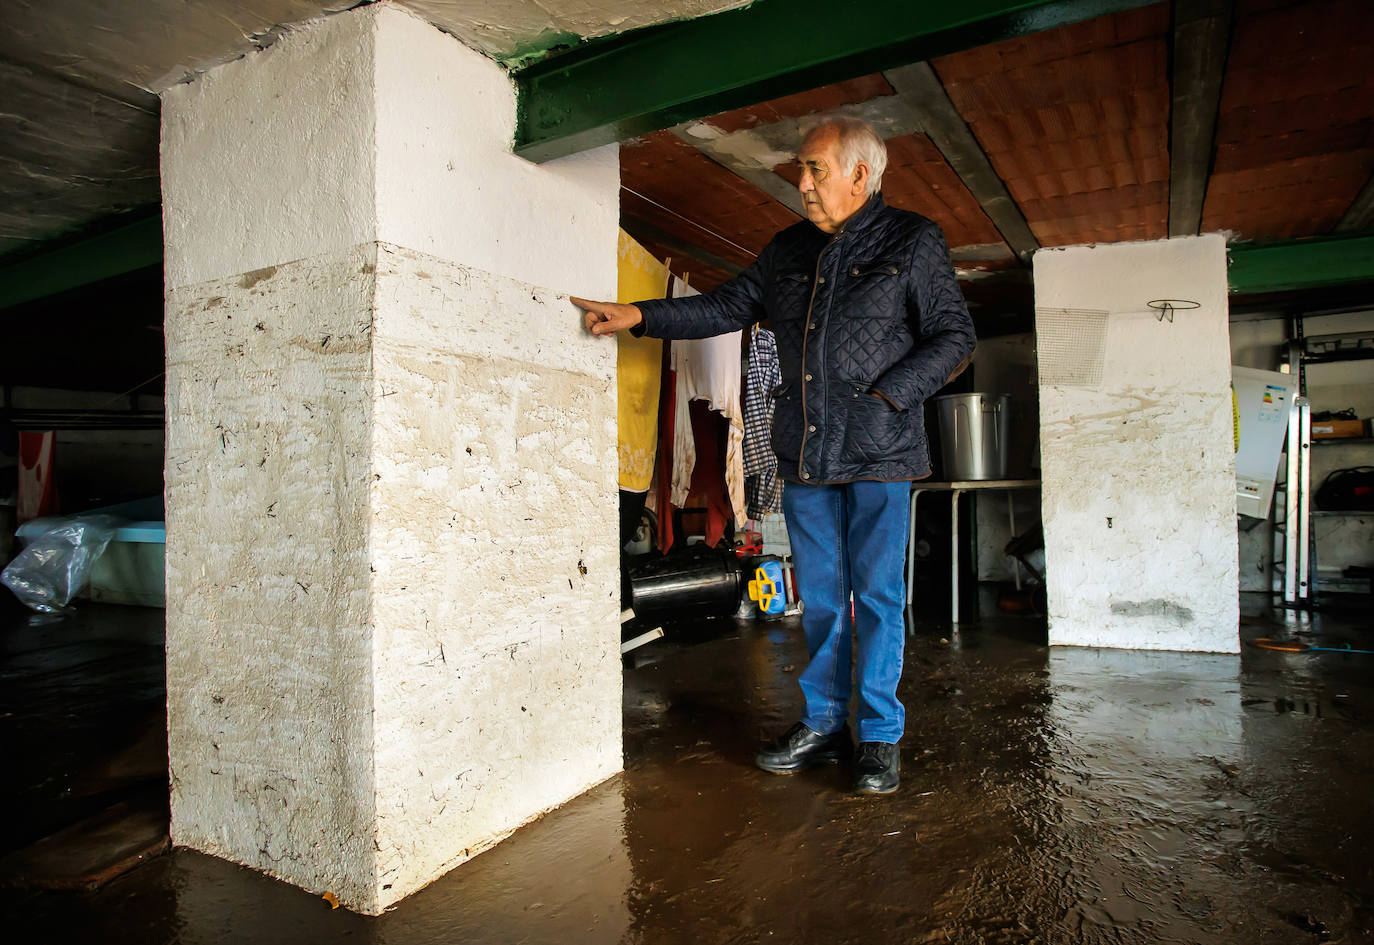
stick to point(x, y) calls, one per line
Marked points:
point(800, 748)
point(876, 768)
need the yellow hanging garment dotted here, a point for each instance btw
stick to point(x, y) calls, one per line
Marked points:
point(639, 366)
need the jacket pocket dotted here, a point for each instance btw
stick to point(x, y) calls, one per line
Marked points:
point(875, 430)
point(789, 295)
point(875, 267)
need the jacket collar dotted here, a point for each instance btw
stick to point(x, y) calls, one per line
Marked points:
point(864, 216)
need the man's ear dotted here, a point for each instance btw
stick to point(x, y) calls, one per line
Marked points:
point(860, 178)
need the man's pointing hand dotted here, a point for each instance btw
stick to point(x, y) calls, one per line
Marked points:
point(607, 318)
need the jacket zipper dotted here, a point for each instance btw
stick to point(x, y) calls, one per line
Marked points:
point(806, 331)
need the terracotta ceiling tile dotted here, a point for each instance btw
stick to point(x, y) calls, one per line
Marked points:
point(1273, 34)
point(679, 189)
point(1297, 197)
point(823, 99)
point(1096, 179)
point(1076, 122)
point(1055, 44)
point(1295, 126)
point(919, 178)
point(996, 135)
point(1078, 113)
point(633, 208)
point(1132, 212)
point(1240, 156)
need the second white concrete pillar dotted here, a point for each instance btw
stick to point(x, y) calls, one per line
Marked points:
point(1136, 449)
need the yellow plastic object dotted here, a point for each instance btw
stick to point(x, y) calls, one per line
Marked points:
point(764, 589)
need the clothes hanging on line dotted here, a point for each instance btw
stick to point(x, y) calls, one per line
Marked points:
point(708, 369)
point(762, 486)
point(708, 485)
point(660, 499)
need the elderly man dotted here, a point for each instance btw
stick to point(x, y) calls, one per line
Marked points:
point(870, 323)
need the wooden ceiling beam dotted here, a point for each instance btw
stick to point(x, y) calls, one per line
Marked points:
point(1201, 37)
point(741, 166)
point(947, 130)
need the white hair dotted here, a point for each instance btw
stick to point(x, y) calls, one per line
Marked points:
point(859, 142)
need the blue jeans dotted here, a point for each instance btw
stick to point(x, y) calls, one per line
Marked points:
point(851, 537)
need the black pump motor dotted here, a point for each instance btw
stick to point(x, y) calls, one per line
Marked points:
point(695, 582)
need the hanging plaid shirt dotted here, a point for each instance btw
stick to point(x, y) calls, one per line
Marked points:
point(762, 486)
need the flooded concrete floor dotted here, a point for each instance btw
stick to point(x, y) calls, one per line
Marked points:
point(1061, 795)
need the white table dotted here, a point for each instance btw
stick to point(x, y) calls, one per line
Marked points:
point(957, 489)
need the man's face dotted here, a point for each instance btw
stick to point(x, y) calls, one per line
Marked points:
point(829, 196)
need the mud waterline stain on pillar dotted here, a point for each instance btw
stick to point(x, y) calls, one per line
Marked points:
point(1139, 480)
point(391, 477)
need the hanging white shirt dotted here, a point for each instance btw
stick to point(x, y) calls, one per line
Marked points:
point(707, 369)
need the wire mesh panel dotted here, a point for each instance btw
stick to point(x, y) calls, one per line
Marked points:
point(1071, 344)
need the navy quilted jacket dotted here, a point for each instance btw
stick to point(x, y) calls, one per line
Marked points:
point(871, 309)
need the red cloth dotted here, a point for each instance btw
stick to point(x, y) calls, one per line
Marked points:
point(708, 489)
point(37, 480)
point(663, 472)
point(708, 475)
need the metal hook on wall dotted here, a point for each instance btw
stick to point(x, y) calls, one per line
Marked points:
point(1167, 307)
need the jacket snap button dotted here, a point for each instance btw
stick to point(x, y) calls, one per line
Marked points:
point(811, 429)
point(821, 279)
point(807, 378)
point(854, 271)
point(813, 326)
point(805, 474)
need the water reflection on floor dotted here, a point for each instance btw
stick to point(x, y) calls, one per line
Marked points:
point(1058, 795)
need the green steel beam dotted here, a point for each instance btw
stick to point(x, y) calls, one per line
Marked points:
point(623, 86)
point(135, 245)
point(1301, 264)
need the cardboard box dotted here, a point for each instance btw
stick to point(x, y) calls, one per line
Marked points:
point(1339, 429)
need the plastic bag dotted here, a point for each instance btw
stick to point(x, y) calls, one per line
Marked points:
point(57, 564)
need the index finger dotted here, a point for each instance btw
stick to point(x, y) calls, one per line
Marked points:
point(586, 304)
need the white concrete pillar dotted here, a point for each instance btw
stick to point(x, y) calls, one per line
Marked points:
point(1136, 449)
point(392, 574)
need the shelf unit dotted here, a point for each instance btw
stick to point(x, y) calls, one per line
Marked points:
point(1294, 551)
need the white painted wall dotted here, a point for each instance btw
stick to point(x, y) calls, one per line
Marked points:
point(447, 184)
point(269, 637)
point(271, 158)
point(1139, 490)
point(391, 480)
point(495, 515)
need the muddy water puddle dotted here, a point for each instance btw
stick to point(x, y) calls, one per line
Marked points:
point(1049, 796)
